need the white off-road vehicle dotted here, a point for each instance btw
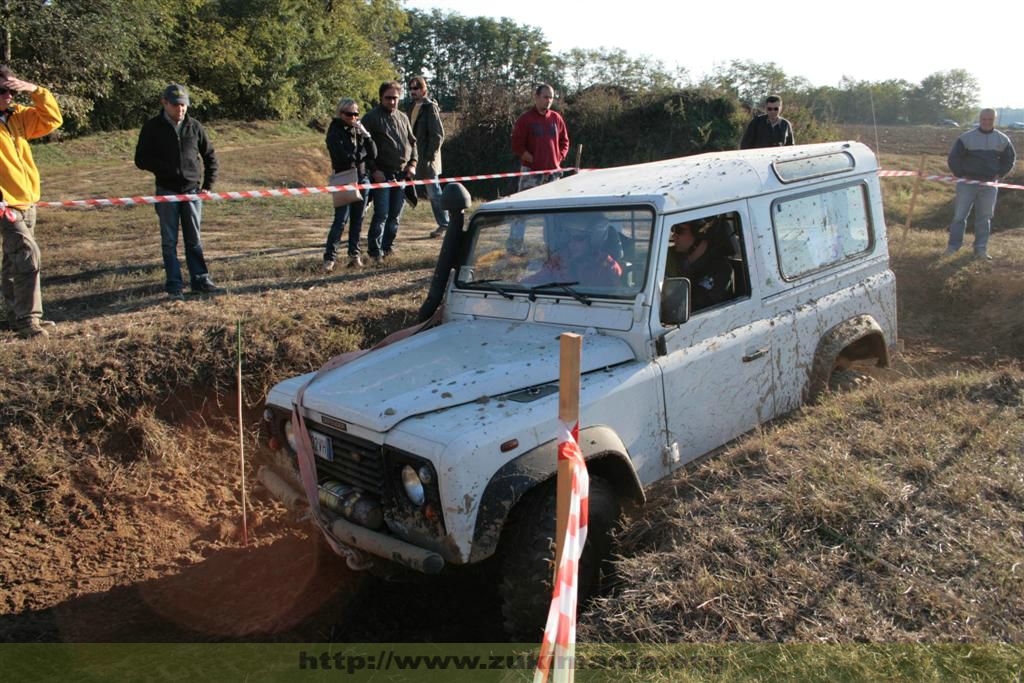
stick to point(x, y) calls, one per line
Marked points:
point(440, 449)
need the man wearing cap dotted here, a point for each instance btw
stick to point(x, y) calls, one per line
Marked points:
point(19, 182)
point(171, 145)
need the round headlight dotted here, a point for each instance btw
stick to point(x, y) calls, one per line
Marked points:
point(413, 486)
point(289, 435)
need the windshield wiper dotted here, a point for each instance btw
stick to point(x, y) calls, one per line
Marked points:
point(564, 286)
point(490, 282)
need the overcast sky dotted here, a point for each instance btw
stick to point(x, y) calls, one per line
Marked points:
point(869, 40)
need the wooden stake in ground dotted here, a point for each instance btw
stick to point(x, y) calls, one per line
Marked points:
point(913, 199)
point(569, 413)
point(579, 155)
point(241, 434)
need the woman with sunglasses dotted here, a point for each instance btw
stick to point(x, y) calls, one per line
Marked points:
point(350, 146)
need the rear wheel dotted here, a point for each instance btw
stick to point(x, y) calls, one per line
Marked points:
point(528, 555)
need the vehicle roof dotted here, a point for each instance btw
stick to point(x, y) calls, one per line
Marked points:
point(683, 183)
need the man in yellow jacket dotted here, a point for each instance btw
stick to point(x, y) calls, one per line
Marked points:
point(19, 183)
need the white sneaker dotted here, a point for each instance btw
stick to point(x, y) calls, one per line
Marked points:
point(355, 261)
point(328, 266)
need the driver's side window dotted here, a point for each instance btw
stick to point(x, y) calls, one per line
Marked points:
point(708, 251)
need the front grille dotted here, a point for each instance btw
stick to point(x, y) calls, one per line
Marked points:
point(356, 462)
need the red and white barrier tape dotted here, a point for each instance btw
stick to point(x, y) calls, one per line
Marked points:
point(558, 649)
point(327, 189)
point(283, 192)
point(948, 179)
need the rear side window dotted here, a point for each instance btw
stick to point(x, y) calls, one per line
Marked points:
point(816, 230)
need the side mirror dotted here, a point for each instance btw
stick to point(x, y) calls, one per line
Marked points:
point(675, 301)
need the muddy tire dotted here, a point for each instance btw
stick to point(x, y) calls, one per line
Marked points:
point(847, 379)
point(528, 556)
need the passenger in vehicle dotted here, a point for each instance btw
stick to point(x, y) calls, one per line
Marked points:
point(692, 256)
point(580, 252)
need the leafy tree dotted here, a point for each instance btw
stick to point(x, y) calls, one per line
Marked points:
point(750, 81)
point(459, 55)
point(581, 69)
point(81, 50)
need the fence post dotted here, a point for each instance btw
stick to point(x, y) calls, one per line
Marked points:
point(569, 413)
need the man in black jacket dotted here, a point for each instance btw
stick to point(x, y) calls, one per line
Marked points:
point(171, 145)
point(770, 129)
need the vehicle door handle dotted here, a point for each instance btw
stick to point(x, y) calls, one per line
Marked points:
point(754, 355)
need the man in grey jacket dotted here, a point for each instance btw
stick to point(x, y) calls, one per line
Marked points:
point(425, 116)
point(982, 154)
point(396, 161)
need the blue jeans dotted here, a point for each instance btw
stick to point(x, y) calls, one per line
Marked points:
point(189, 215)
point(388, 203)
point(434, 194)
point(353, 215)
point(983, 199)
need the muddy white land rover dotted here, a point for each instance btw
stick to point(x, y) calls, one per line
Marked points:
point(439, 450)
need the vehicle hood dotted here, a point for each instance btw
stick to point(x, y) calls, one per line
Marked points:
point(452, 364)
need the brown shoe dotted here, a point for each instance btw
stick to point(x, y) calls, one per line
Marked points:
point(32, 331)
point(11, 324)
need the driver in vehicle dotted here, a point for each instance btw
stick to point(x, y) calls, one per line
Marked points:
point(693, 257)
point(579, 252)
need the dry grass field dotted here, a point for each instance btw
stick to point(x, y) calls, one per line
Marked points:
point(890, 513)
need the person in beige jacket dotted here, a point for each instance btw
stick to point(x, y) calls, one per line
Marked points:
point(425, 116)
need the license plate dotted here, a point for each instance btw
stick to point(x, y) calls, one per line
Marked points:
point(322, 446)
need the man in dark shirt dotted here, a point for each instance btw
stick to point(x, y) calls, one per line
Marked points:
point(171, 146)
point(768, 130)
point(396, 158)
point(692, 256)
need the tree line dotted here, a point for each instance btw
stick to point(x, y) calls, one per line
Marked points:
point(107, 61)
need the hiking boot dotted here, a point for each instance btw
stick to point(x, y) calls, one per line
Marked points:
point(207, 287)
point(329, 266)
point(32, 331)
point(11, 323)
point(355, 261)
point(439, 232)
point(176, 296)
point(378, 260)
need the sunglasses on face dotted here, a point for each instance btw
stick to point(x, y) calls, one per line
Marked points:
point(349, 113)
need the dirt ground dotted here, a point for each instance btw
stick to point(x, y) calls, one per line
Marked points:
point(148, 549)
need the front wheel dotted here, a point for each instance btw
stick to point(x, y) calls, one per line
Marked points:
point(528, 555)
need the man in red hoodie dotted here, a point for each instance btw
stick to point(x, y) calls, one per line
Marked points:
point(540, 141)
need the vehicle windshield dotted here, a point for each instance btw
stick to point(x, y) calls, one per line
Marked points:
point(591, 253)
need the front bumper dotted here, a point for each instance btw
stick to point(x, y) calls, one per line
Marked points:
point(287, 490)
